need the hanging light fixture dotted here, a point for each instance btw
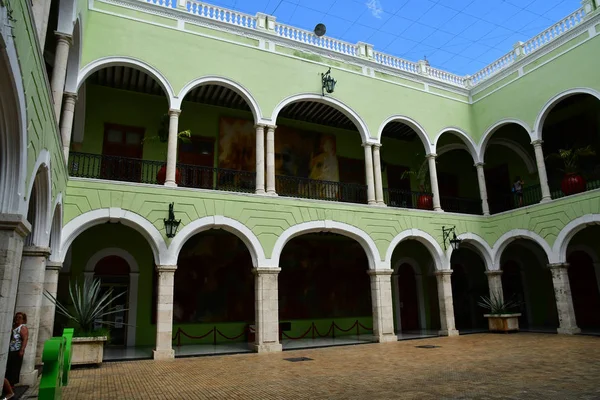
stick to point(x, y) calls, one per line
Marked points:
point(454, 241)
point(328, 83)
point(171, 224)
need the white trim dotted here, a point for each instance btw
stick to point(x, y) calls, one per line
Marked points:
point(128, 62)
point(461, 134)
point(41, 178)
point(340, 228)
point(90, 266)
point(571, 229)
point(74, 59)
point(515, 234)
point(55, 225)
point(128, 218)
point(216, 222)
point(221, 81)
point(536, 134)
point(489, 132)
point(66, 16)
point(451, 147)
point(519, 150)
point(330, 101)
point(414, 125)
point(482, 248)
point(439, 258)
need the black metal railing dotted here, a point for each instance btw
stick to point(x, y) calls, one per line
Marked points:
point(461, 205)
point(408, 199)
point(113, 168)
point(292, 186)
point(531, 194)
point(229, 180)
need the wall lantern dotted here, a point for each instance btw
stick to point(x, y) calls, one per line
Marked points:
point(328, 83)
point(171, 224)
point(454, 242)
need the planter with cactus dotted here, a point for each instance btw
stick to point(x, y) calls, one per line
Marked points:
point(500, 317)
point(572, 182)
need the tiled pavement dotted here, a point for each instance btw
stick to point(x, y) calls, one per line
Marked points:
point(480, 366)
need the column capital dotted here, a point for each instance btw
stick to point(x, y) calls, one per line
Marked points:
point(378, 272)
point(537, 142)
point(270, 127)
point(166, 268)
point(479, 164)
point(53, 265)
point(443, 272)
point(70, 95)
point(494, 273)
point(558, 266)
point(36, 251)
point(265, 270)
point(430, 155)
point(257, 126)
point(376, 145)
point(15, 222)
point(365, 145)
point(174, 111)
point(64, 37)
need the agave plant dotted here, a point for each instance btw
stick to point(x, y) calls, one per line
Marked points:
point(497, 305)
point(89, 305)
point(570, 157)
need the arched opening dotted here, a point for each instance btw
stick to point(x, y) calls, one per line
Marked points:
point(318, 153)
point(405, 170)
point(213, 302)
point(584, 278)
point(526, 279)
point(49, 39)
point(572, 124)
point(510, 169)
point(457, 175)
point(324, 292)
point(414, 291)
point(469, 284)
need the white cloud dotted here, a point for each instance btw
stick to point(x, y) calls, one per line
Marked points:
point(375, 7)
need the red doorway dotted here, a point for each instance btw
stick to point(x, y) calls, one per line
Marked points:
point(408, 299)
point(113, 272)
point(584, 290)
point(197, 160)
point(122, 153)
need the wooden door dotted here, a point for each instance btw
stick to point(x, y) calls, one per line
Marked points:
point(497, 183)
point(197, 160)
point(122, 151)
point(409, 301)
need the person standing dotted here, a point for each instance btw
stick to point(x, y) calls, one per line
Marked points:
point(518, 190)
point(18, 342)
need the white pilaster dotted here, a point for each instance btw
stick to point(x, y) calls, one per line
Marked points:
point(260, 159)
point(377, 175)
point(66, 122)
point(48, 308)
point(541, 166)
point(271, 160)
point(266, 310)
point(13, 230)
point(482, 189)
point(369, 174)
point(164, 313)
point(495, 284)
point(29, 301)
point(59, 73)
point(381, 300)
point(41, 13)
point(444, 286)
point(434, 182)
point(396, 299)
point(172, 148)
point(134, 278)
point(564, 301)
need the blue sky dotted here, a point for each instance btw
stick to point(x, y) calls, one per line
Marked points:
point(460, 36)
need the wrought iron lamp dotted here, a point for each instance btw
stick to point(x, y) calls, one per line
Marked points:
point(454, 242)
point(328, 83)
point(171, 224)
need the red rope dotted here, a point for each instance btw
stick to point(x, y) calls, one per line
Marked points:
point(299, 337)
point(232, 338)
point(345, 330)
point(326, 334)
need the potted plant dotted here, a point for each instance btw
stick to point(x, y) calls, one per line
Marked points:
point(425, 199)
point(162, 137)
point(572, 182)
point(500, 317)
point(88, 307)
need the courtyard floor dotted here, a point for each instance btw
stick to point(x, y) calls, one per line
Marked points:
point(478, 366)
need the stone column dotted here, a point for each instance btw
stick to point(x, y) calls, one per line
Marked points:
point(434, 182)
point(29, 301)
point(260, 159)
point(164, 313)
point(172, 148)
point(444, 286)
point(13, 230)
point(482, 189)
point(381, 300)
point(495, 283)
point(41, 13)
point(541, 166)
point(396, 302)
point(66, 122)
point(48, 308)
point(377, 175)
point(369, 174)
point(59, 73)
point(266, 310)
point(564, 301)
point(271, 160)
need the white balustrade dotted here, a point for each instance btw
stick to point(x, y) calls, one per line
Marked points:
point(395, 62)
point(300, 35)
point(164, 3)
point(494, 67)
point(445, 76)
point(556, 30)
point(220, 14)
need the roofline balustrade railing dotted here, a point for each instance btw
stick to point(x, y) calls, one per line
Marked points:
point(268, 23)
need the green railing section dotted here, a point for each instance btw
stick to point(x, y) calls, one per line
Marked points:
point(57, 364)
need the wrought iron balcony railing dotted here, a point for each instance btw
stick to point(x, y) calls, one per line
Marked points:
point(292, 186)
point(461, 205)
point(408, 199)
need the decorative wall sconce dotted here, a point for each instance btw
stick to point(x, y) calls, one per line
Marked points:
point(328, 83)
point(454, 242)
point(171, 224)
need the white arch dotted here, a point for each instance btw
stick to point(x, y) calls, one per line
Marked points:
point(66, 16)
point(328, 226)
point(330, 101)
point(55, 225)
point(414, 125)
point(489, 132)
point(74, 59)
point(217, 222)
point(519, 150)
point(536, 134)
point(462, 135)
point(481, 246)
point(571, 229)
point(127, 62)
point(42, 211)
point(409, 261)
point(515, 234)
point(450, 147)
point(439, 258)
point(228, 83)
point(128, 218)
point(90, 266)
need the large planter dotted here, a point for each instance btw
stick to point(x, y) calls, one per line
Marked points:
point(161, 176)
point(88, 350)
point(425, 202)
point(572, 183)
point(503, 322)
